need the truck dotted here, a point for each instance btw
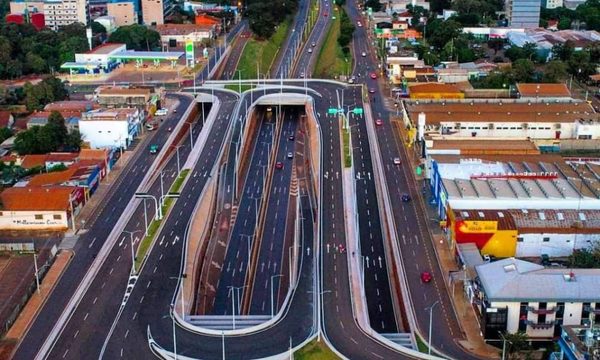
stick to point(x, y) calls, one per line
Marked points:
point(153, 149)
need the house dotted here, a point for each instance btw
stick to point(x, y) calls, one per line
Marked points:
point(60, 158)
point(111, 128)
point(452, 76)
point(33, 160)
point(207, 20)
point(40, 208)
point(513, 295)
point(71, 106)
point(103, 157)
point(143, 98)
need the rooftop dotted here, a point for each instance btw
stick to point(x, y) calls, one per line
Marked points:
point(491, 146)
point(433, 87)
point(493, 111)
point(516, 280)
point(118, 90)
point(181, 29)
point(93, 154)
point(121, 114)
point(37, 198)
point(34, 160)
point(106, 48)
point(70, 105)
point(5, 118)
point(533, 177)
point(53, 178)
point(543, 90)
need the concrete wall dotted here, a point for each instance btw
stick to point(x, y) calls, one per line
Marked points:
point(123, 13)
point(101, 134)
point(557, 246)
point(153, 12)
point(33, 220)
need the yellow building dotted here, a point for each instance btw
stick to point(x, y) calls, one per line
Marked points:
point(434, 91)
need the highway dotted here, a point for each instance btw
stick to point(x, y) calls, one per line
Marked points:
point(236, 262)
point(98, 228)
point(372, 251)
point(415, 243)
point(284, 61)
point(278, 222)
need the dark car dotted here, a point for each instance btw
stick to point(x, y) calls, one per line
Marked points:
point(291, 138)
point(405, 198)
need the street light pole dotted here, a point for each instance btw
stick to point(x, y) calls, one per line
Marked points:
point(37, 274)
point(132, 252)
point(178, 166)
point(162, 191)
point(430, 325)
point(272, 302)
point(174, 332)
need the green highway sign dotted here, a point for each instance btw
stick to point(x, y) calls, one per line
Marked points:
point(358, 111)
point(332, 111)
point(419, 170)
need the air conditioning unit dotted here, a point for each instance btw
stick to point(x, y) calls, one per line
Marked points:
point(557, 126)
point(525, 126)
point(491, 126)
point(457, 126)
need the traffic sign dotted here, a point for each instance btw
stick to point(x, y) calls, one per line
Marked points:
point(419, 170)
point(332, 111)
point(358, 111)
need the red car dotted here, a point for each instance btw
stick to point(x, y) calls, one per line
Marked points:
point(373, 75)
point(279, 165)
point(378, 122)
point(325, 14)
point(426, 276)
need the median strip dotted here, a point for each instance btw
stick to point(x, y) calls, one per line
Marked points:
point(334, 60)
point(155, 224)
point(347, 150)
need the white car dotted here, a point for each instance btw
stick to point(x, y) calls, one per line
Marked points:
point(364, 54)
point(310, 50)
point(359, 24)
point(397, 161)
point(161, 112)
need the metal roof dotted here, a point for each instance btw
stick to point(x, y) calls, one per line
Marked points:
point(146, 55)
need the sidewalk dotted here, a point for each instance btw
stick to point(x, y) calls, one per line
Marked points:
point(18, 330)
point(466, 315)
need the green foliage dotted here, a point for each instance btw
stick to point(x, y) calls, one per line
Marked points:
point(136, 37)
point(515, 344)
point(554, 71)
point(265, 16)
point(43, 139)
point(586, 258)
point(564, 51)
point(346, 30)
point(495, 80)
point(48, 90)
point(373, 4)
point(523, 70)
point(528, 51)
point(5, 133)
point(442, 32)
point(23, 50)
point(588, 13)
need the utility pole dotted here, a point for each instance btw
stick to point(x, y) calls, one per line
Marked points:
point(430, 325)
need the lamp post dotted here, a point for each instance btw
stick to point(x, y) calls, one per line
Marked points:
point(174, 332)
point(132, 251)
point(157, 209)
point(430, 325)
point(239, 81)
point(177, 151)
point(272, 301)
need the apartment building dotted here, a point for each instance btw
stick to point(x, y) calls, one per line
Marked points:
point(523, 14)
point(155, 11)
point(57, 13)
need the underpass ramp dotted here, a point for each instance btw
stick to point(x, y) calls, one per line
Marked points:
point(225, 322)
point(402, 339)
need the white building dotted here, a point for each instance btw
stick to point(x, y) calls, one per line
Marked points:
point(59, 13)
point(513, 295)
point(111, 128)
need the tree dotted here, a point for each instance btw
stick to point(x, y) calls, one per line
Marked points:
point(563, 51)
point(555, 71)
point(515, 344)
point(5, 133)
point(495, 44)
point(98, 28)
point(581, 66)
point(261, 21)
point(444, 33)
point(73, 141)
point(58, 129)
point(375, 5)
point(523, 70)
point(26, 141)
point(48, 90)
point(136, 37)
point(586, 258)
point(35, 64)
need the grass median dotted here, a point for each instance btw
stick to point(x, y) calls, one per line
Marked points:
point(315, 350)
point(347, 150)
point(236, 87)
point(155, 224)
point(262, 52)
point(332, 62)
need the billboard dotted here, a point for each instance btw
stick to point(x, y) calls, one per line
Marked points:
point(189, 52)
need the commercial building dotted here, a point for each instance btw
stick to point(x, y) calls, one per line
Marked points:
point(56, 13)
point(524, 233)
point(544, 91)
point(179, 34)
point(115, 128)
point(155, 11)
point(545, 121)
point(143, 98)
point(523, 13)
point(123, 12)
point(552, 4)
point(513, 295)
point(40, 208)
point(501, 182)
